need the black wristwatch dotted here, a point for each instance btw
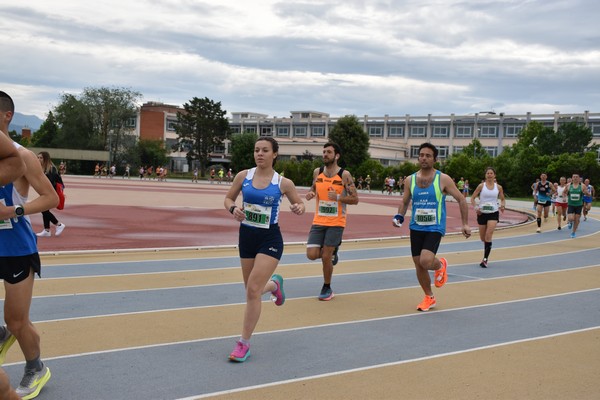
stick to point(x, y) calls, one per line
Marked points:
point(19, 211)
point(233, 207)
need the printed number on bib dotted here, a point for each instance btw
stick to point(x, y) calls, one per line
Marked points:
point(425, 216)
point(488, 208)
point(328, 208)
point(575, 196)
point(6, 223)
point(257, 215)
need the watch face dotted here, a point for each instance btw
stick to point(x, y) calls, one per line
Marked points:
point(19, 211)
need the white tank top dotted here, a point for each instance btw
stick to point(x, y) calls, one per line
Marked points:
point(560, 194)
point(488, 199)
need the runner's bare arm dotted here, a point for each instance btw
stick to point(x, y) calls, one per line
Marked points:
point(449, 187)
point(351, 192)
point(406, 197)
point(476, 194)
point(502, 198)
point(313, 188)
point(232, 195)
point(11, 165)
point(36, 178)
point(289, 189)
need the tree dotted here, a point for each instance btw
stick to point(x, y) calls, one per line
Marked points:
point(474, 149)
point(349, 134)
point(575, 138)
point(75, 125)
point(97, 120)
point(242, 150)
point(47, 134)
point(110, 110)
point(152, 152)
point(202, 125)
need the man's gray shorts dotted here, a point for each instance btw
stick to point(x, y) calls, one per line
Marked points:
point(320, 236)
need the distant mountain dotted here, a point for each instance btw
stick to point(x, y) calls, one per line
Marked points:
point(20, 121)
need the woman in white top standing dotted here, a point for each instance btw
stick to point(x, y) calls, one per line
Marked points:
point(488, 210)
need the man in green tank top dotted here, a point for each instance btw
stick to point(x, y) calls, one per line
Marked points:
point(575, 192)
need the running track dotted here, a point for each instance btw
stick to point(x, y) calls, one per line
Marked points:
point(160, 324)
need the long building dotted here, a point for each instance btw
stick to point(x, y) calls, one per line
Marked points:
point(393, 139)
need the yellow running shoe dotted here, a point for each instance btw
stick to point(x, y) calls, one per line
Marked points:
point(5, 344)
point(33, 382)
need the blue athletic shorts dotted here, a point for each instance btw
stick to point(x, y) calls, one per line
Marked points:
point(257, 240)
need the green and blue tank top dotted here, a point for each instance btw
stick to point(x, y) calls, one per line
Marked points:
point(428, 206)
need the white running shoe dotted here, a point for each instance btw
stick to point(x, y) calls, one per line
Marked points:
point(59, 228)
point(44, 233)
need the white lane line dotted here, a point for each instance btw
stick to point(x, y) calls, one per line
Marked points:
point(384, 365)
point(450, 273)
point(301, 328)
point(308, 262)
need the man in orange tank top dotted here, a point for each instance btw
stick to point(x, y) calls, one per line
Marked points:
point(333, 189)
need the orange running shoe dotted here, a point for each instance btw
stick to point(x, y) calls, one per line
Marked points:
point(427, 303)
point(441, 275)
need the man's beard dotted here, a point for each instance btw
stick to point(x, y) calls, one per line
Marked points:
point(328, 163)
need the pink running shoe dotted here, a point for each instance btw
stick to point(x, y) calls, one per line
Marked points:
point(240, 353)
point(278, 294)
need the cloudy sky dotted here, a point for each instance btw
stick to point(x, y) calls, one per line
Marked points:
point(359, 57)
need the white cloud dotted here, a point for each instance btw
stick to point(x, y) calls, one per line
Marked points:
point(358, 57)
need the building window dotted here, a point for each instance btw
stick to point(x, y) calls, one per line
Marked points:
point(300, 131)
point(376, 131)
point(512, 131)
point(266, 131)
point(595, 129)
point(487, 131)
point(219, 149)
point(318, 131)
point(462, 131)
point(250, 129)
point(131, 122)
point(235, 129)
point(442, 151)
point(417, 131)
point(440, 132)
point(492, 151)
point(305, 115)
point(172, 144)
point(171, 123)
point(396, 131)
point(283, 131)
point(414, 151)
point(457, 149)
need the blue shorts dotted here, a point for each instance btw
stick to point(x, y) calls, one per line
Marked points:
point(257, 240)
point(587, 199)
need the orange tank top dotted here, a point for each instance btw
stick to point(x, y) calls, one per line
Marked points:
point(329, 212)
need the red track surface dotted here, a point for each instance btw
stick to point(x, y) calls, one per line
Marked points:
point(118, 214)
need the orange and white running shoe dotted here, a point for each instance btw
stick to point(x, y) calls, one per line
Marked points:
point(427, 303)
point(441, 275)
